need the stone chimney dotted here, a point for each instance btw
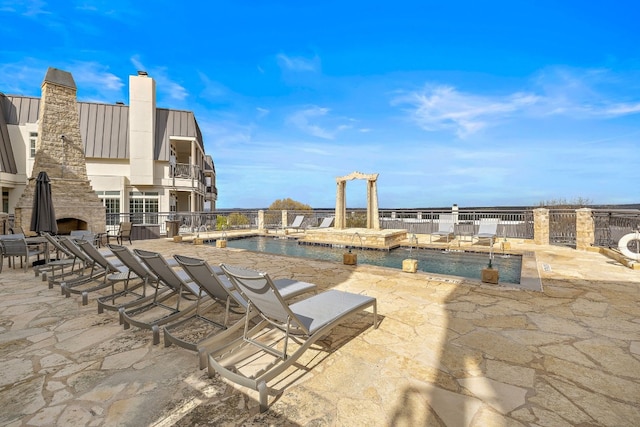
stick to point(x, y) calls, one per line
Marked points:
point(60, 153)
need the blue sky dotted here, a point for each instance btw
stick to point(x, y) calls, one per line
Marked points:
point(467, 102)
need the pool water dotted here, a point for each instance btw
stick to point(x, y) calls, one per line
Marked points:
point(465, 264)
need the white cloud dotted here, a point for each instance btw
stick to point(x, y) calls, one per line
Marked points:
point(262, 112)
point(95, 76)
point(443, 107)
point(580, 94)
point(24, 78)
point(302, 120)
point(298, 63)
point(164, 84)
point(31, 8)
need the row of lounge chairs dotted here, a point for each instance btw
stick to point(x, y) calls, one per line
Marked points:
point(298, 223)
point(248, 315)
point(487, 228)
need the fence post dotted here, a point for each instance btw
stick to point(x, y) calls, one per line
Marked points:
point(585, 229)
point(541, 226)
point(260, 220)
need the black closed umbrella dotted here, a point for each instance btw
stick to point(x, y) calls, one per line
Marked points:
point(43, 217)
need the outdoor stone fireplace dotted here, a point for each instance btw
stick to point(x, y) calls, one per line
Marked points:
point(60, 153)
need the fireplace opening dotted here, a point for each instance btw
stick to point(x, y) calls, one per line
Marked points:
point(67, 225)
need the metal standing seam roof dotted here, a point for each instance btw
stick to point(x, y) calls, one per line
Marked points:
point(7, 160)
point(104, 127)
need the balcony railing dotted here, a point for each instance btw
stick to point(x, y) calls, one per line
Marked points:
point(187, 171)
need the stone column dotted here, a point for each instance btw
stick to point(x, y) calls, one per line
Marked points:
point(373, 217)
point(541, 226)
point(285, 218)
point(340, 221)
point(260, 220)
point(585, 229)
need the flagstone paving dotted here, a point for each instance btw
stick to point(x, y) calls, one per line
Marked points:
point(448, 352)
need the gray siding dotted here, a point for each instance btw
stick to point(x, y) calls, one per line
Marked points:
point(20, 109)
point(105, 130)
point(174, 123)
point(7, 160)
point(104, 127)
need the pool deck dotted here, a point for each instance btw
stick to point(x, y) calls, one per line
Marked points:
point(448, 352)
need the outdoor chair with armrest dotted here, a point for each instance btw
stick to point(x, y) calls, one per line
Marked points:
point(15, 245)
point(123, 233)
point(219, 287)
point(303, 322)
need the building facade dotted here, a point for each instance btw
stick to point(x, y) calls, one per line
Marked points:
point(140, 159)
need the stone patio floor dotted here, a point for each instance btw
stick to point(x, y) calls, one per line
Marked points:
point(448, 352)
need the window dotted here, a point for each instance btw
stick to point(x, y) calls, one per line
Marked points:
point(143, 207)
point(33, 139)
point(5, 201)
point(111, 201)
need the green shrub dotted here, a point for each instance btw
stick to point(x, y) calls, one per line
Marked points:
point(221, 222)
point(237, 220)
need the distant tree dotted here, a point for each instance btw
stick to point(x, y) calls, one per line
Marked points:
point(579, 202)
point(289, 205)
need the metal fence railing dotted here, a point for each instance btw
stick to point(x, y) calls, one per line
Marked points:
point(611, 225)
point(562, 227)
point(513, 223)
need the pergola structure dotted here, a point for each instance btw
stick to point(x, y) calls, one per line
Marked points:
point(373, 220)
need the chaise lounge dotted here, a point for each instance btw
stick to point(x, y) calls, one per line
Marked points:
point(303, 322)
point(220, 288)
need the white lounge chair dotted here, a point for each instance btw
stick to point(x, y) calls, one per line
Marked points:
point(297, 223)
point(487, 229)
point(326, 222)
point(303, 322)
point(445, 227)
point(220, 289)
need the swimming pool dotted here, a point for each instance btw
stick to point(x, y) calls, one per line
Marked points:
point(465, 264)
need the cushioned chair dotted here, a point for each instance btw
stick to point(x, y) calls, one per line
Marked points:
point(303, 322)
